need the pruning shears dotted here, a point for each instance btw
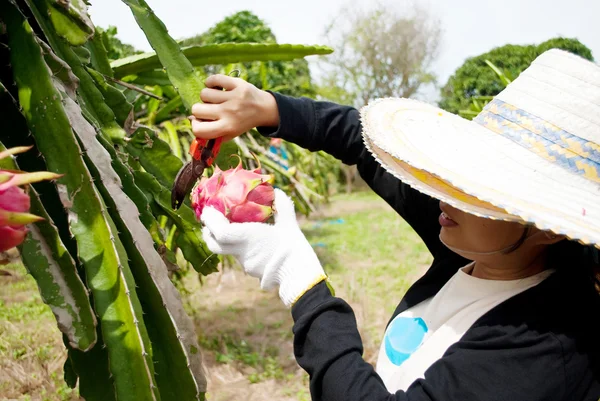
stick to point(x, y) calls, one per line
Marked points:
point(203, 152)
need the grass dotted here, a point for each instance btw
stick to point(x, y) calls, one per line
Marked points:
point(31, 349)
point(369, 252)
point(231, 350)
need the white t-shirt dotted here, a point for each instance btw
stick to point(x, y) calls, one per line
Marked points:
point(419, 336)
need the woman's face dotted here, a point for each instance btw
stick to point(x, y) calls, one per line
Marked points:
point(476, 234)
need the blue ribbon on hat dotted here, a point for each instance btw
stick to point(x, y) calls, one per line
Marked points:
point(547, 140)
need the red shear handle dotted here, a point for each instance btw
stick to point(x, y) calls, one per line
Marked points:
point(197, 147)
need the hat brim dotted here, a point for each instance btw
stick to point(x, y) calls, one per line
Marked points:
point(478, 171)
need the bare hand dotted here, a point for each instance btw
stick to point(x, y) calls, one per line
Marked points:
point(230, 113)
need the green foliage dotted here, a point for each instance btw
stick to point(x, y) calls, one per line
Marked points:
point(223, 53)
point(54, 269)
point(571, 45)
point(115, 49)
point(241, 27)
point(475, 77)
point(288, 77)
point(329, 89)
point(114, 299)
point(60, 285)
point(245, 38)
point(104, 256)
point(180, 71)
point(70, 20)
point(479, 102)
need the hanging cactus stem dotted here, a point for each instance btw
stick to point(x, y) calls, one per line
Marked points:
point(48, 261)
point(101, 144)
point(54, 137)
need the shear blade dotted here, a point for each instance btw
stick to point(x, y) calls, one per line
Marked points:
point(184, 182)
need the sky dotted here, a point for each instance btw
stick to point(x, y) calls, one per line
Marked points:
point(469, 27)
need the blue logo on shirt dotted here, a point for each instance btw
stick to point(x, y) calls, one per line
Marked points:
point(403, 337)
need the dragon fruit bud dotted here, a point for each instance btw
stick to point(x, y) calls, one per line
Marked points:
point(14, 202)
point(11, 237)
point(241, 195)
point(12, 225)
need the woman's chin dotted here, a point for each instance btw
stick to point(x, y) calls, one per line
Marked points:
point(450, 237)
point(447, 234)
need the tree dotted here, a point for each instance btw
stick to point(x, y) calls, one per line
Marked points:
point(288, 77)
point(382, 51)
point(475, 77)
point(243, 26)
point(329, 89)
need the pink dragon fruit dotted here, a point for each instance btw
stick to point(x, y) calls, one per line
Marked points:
point(241, 195)
point(14, 201)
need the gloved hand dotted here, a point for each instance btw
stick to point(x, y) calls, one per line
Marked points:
point(277, 254)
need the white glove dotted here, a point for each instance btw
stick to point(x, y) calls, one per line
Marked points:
point(276, 254)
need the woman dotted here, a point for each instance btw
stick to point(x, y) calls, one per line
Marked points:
point(508, 205)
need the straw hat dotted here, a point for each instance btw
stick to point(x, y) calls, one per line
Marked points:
point(532, 155)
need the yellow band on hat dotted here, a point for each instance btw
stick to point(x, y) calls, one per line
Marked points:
point(545, 139)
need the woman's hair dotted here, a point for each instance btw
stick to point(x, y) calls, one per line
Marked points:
point(569, 254)
point(583, 259)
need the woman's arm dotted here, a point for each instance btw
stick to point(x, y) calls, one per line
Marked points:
point(336, 129)
point(314, 125)
point(493, 363)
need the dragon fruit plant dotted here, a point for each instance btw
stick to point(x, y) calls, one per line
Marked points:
point(14, 201)
point(99, 241)
point(241, 195)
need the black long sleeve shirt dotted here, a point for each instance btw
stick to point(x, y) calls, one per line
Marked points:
point(541, 344)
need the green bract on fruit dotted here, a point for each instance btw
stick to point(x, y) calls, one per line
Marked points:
point(241, 195)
